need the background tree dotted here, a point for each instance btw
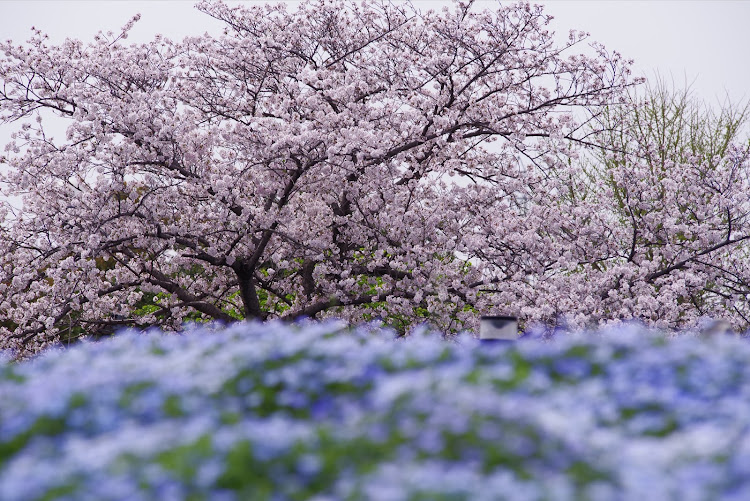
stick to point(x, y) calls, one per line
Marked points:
point(342, 159)
point(676, 171)
point(651, 225)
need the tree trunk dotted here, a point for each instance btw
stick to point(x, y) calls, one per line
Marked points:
point(249, 294)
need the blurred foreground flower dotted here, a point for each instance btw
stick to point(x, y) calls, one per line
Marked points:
point(324, 411)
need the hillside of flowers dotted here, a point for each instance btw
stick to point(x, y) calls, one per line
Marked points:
point(327, 412)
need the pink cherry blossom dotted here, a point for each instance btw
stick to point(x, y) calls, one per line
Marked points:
point(355, 160)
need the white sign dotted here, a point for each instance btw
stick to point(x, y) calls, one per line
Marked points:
point(504, 328)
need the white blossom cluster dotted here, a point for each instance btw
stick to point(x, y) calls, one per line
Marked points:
point(326, 412)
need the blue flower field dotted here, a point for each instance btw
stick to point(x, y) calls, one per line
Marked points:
point(329, 412)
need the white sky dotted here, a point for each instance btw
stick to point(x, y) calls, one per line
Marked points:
point(704, 42)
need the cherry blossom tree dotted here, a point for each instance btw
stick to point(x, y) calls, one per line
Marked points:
point(343, 159)
point(677, 173)
point(652, 226)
